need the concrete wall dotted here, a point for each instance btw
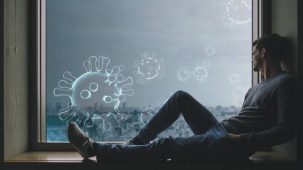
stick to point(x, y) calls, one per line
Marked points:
point(15, 77)
point(285, 22)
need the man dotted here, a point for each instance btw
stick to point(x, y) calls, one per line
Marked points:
point(267, 118)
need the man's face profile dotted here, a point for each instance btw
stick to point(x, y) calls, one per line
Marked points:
point(257, 59)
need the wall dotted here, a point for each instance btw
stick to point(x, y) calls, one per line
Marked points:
point(300, 70)
point(1, 83)
point(15, 77)
point(285, 22)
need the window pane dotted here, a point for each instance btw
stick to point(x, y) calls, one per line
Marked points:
point(111, 64)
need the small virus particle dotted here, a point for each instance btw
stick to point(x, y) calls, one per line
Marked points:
point(183, 74)
point(236, 12)
point(98, 88)
point(200, 73)
point(210, 51)
point(148, 67)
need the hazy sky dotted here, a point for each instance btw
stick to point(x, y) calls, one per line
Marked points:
point(179, 31)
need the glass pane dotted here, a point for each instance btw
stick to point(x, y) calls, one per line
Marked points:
point(111, 64)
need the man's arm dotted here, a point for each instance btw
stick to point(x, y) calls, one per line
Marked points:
point(283, 131)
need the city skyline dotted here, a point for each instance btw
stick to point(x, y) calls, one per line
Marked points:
point(110, 129)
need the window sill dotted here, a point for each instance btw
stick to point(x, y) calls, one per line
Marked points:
point(72, 160)
point(74, 157)
point(49, 156)
point(263, 156)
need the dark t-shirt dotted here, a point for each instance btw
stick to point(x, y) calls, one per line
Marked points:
point(268, 115)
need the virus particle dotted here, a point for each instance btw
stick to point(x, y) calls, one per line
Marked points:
point(183, 74)
point(200, 73)
point(209, 51)
point(98, 88)
point(148, 67)
point(236, 12)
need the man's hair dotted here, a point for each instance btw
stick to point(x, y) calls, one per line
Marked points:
point(276, 46)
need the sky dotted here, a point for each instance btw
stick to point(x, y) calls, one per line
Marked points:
point(203, 47)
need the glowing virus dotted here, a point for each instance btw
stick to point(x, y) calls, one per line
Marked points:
point(237, 12)
point(209, 51)
point(98, 88)
point(183, 74)
point(148, 67)
point(200, 73)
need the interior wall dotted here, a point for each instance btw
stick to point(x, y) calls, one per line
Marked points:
point(1, 84)
point(285, 23)
point(15, 77)
point(300, 71)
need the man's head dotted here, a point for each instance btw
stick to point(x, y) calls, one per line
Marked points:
point(272, 48)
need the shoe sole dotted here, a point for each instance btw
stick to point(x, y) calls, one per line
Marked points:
point(79, 151)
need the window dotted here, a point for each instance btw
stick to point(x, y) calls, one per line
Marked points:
point(110, 65)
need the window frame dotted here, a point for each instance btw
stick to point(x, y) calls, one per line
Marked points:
point(38, 73)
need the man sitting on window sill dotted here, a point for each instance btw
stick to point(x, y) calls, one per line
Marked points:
point(267, 118)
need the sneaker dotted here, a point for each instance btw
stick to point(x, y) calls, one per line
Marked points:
point(129, 142)
point(134, 141)
point(79, 140)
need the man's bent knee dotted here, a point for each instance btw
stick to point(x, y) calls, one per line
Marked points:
point(181, 93)
point(182, 96)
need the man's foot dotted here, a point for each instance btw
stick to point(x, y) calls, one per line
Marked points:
point(79, 140)
point(134, 141)
point(129, 142)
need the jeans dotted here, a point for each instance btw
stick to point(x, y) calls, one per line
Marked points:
point(206, 144)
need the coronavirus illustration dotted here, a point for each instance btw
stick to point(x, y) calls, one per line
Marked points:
point(183, 74)
point(200, 73)
point(148, 67)
point(209, 51)
point(100, 88)
point(236, 12)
